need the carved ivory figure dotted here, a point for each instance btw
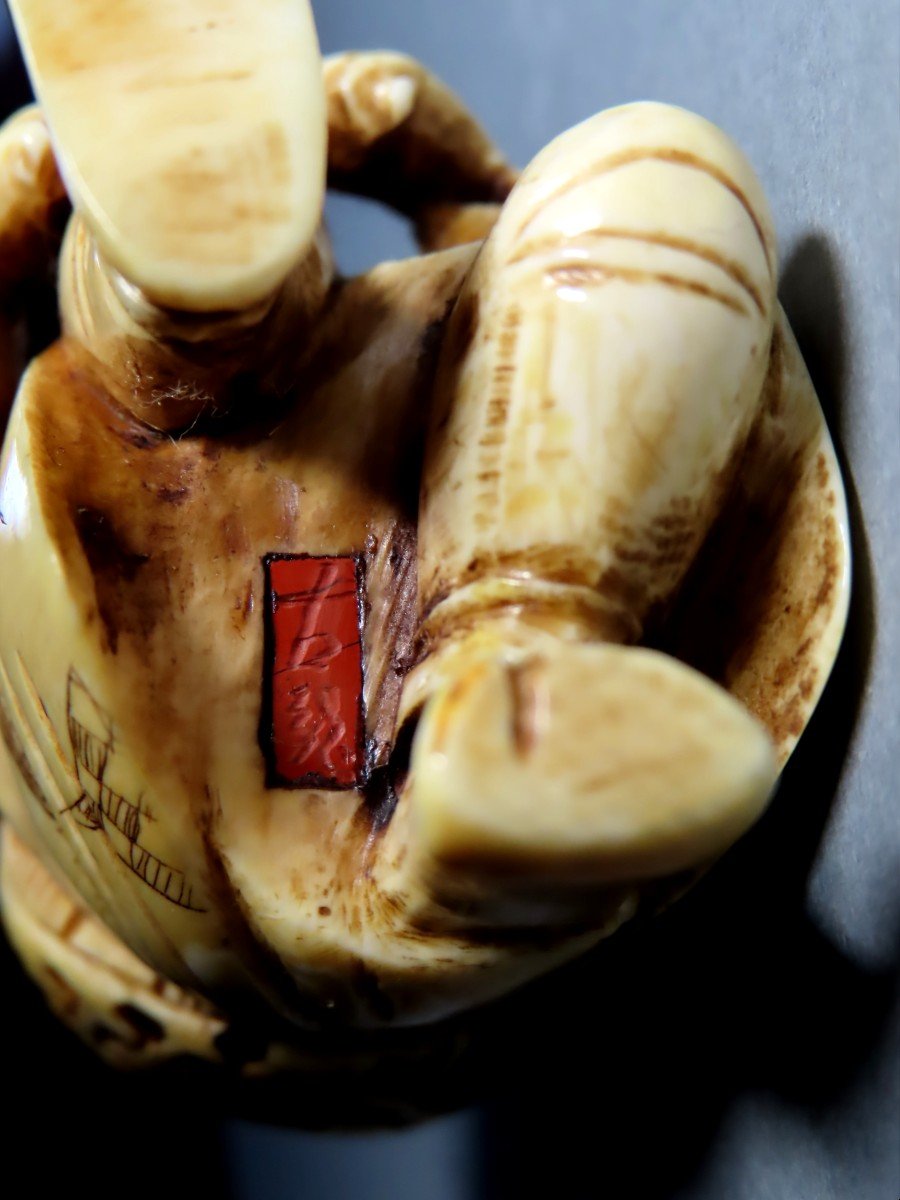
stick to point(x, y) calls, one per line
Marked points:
point(369, 646)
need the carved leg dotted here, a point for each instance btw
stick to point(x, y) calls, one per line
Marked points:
point(398, 135)
point(600, 374)
point(195, 256)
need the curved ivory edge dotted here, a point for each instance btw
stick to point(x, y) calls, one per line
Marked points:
point(102, 991)
point(545, 777)
point(765, 608)
point(191, 138)
point(806, 406)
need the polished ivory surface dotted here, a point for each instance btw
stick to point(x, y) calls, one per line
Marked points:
point(370, 646)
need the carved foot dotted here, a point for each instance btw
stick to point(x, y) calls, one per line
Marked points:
point(544, 779)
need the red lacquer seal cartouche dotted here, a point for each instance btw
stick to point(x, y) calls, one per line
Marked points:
point(313, 708)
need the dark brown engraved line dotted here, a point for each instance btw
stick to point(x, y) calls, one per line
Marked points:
point(732, 269)
point(90, 751)
point(494, 436)
point(92, 754)
point(172, 887)
point(121, 813)
point(83, 806)
point(594, 275)
point(85, 812)
point(680, 158)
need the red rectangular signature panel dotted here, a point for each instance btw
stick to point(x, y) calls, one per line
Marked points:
point(316, 671)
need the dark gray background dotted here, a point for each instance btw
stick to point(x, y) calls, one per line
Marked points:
point(749, 1047)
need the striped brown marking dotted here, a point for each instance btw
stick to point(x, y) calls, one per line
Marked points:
point(666, 154)
point(531, 419)
point(596, 274)
point(496, 420)
point(154, 82)
point(166, 881)
point(730, 266)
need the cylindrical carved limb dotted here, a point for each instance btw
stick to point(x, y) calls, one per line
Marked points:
point(398, 135)
point(195, 257)
point(601, 371)
point(191, 137)
point(173, 369)
point(394, 133)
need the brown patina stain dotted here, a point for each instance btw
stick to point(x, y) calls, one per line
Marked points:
point(242, 609)
point(523, 684)
point(546, 561)
point(72, 924)
point(110, 559)
point(173, 495)
point(161, 541)
point(236, 190)
point(764, 581)
point(100, 35)
point(495, 431)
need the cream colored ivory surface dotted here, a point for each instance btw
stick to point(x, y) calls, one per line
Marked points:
point(589, 647)
point(191, 136)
